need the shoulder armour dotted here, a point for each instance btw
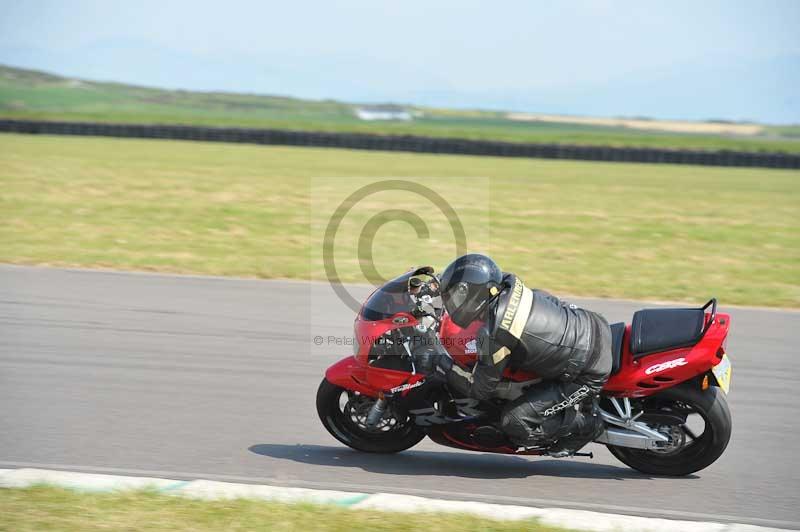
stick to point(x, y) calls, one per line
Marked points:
point(513, 308)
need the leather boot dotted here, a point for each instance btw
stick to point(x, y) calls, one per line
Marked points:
point(586, 428)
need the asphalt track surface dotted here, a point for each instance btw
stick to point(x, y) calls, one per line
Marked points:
point(193, 377)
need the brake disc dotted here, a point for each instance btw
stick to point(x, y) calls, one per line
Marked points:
point(677, 439)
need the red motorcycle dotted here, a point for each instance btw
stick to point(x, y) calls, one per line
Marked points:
point(664, 406)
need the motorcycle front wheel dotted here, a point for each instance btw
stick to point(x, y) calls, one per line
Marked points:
point(695, 444)
point(344, 412)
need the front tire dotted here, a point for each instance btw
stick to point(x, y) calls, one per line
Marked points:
point(691, 456)
point(343, 412)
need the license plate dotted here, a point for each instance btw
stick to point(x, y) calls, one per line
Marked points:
point(722, 372)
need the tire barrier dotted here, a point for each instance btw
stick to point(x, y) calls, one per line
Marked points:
point(407, 143)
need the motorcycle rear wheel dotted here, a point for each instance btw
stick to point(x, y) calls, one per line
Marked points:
point(702, 451)
point(342, 413)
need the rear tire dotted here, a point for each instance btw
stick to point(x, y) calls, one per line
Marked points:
point(712, 406)
point(340, 412)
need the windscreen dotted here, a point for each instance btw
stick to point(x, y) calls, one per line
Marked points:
point(388, 300)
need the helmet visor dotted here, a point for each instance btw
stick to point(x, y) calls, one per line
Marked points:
point(457, 295)
point(463, 303)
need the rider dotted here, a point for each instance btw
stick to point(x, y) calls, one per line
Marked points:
point(524, 329)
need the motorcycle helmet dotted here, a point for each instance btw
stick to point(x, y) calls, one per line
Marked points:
point(468, 284)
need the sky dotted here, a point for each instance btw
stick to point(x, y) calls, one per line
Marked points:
point(674, 59)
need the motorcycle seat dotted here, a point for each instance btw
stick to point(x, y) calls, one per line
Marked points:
point(617, 333)
point(654, 330)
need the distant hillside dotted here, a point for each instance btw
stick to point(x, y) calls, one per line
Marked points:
point(39, 95)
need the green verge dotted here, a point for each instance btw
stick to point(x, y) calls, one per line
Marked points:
point(680, 233)
point(49, 508)
point(31, 95)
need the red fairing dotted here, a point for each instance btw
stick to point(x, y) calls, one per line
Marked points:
point(367, 332)
point(653, 373)
point(392, 381)
point(460, 343)
point(355, 373)
point(349, 374)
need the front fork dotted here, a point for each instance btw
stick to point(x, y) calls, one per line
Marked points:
point(377, 411)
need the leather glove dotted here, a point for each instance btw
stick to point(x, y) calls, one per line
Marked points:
point(443, 364)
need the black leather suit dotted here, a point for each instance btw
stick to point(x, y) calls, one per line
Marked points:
point(568, 347)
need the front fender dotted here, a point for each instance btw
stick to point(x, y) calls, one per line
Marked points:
point(350, 375)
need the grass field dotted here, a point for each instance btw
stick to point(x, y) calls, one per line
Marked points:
point(28, 94)
point(49, 508)
point(594, 229)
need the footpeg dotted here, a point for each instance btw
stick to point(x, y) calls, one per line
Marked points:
point(567, 454)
